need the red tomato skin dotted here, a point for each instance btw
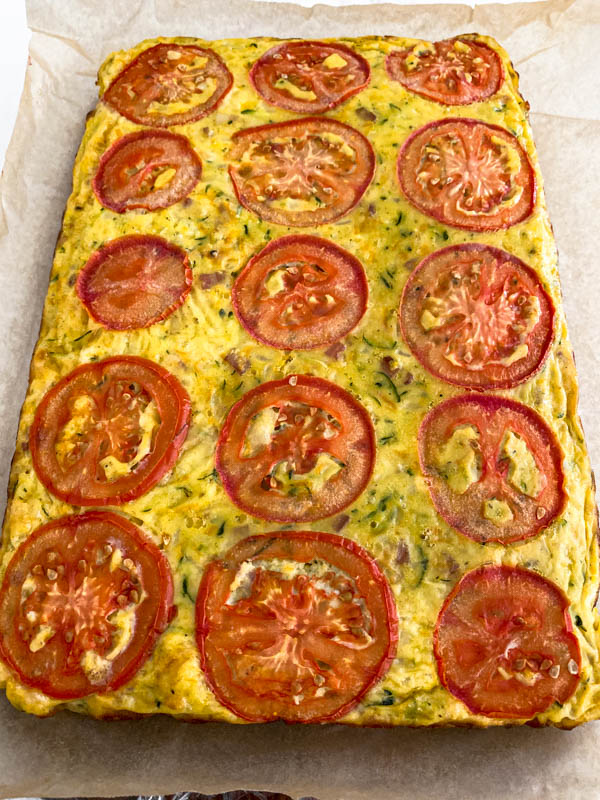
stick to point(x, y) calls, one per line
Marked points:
point(230, 486)
point(318, 217)
point(492, 89)
point(131, 203)
point(166, 613)
point(311, 106)
point(480, 224)
point(298, 240)
point(117, 245)
point(37, 436)
point(203, 628)
point(491, 403)
point(179, 119)
point(469, 577)
point(508, 382)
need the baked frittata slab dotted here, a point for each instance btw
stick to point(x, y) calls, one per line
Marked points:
point(301, 436)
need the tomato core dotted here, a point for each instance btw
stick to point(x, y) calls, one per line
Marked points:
point(170, 84)
point(493, 467)
point(477, 316)
point(468, 174)
point(504, 643)
point(300, 292)
point(304, 172)
point(81, 605)
point(109, 431)
point(297, 449)
point(296, 626)
point(452, 72)
point(309, 77)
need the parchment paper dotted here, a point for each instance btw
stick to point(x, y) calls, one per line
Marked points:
point(554, 46)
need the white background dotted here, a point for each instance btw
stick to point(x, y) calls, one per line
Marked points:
point(14, 38)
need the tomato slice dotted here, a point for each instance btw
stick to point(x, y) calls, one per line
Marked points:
point(477, 316)
point(304, 172)
point(467, 174)
point(295, 626)
point(134, 281)
point(296, 450)
point(146, 169)
point(504, 643)
point(309, 77)
point(493, 467)
point(300, 292)
point(170, 84)
point(82, 602)
point(107, 432)
point(454, 72)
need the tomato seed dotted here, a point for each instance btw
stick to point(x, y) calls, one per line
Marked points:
point(554, 671)
point(572, 667)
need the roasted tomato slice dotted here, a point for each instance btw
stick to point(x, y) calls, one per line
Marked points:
point(467, 174)
point(504, 643)
point(109, 431)
point(454, 72)
point(170, 84)
point(477, 316)
point(300, 292)
point(296, 450)
point(134, 281)
point(146, 169)
point(309, 77)
point(304, 172)
point(82, 603)
point(493, 467)
point(295, 626)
